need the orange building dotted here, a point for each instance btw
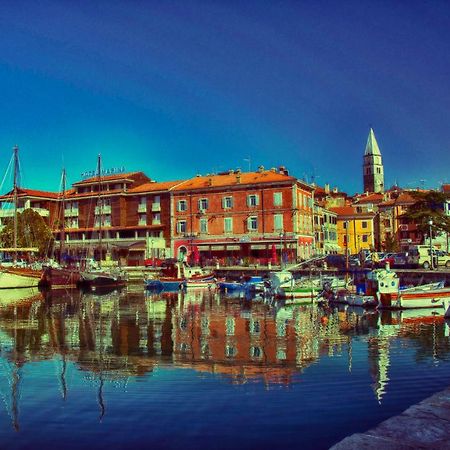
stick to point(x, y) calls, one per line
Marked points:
point(248, 215)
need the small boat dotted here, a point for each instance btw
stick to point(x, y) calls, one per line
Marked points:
point(248, 283)
point(177, 276)
point(13, 278)
point(283, 285)
point(98, 278)
point(390, 296)
point(61, 277)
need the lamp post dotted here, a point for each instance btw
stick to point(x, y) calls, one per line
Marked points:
point(430, 223)
point(281, 250)
point(346, 244)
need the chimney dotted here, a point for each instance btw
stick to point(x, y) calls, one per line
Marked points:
point(283, 170)
point(230, 172)
point(238, 175)
point(327, 188)
point(273, 169)
point(261, 169)
point(210, 181)
point(335, 190)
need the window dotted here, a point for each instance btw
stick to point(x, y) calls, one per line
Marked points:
point(156, 220)
point(181, 226)
point(203, 225)
point(203, 204)
point(227, 202)
point(252, 223)
point(255, 352)
point(142, 219)
point(182, 205)
point(278, 222)
point(230, 326)
point(143, 200)
point(230, 351)
point(228, 224)
point(364, 224)
point(277, 199)
point(253, 200)
point(364, 238)
point(345, 225)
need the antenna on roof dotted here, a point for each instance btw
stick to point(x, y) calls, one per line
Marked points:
point(249, 160)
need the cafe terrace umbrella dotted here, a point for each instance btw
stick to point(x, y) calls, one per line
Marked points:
point(274, 254)
point(195, 255)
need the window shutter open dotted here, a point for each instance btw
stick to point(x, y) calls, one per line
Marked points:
point(257, 199)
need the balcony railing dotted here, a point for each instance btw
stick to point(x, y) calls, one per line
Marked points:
point(156, 207)
point(71, 212)
point(105, 209)
point(9, 212)
point(142, 208)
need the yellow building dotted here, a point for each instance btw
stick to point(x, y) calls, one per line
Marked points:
point(355, 229)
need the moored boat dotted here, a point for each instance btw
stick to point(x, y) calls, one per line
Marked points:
point(179, 276)
point(390, 296)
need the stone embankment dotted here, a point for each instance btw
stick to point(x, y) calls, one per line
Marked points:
point(422, 426)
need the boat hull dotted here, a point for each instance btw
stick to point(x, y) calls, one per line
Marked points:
point(11, 279)
point(57, 278)
point(414, 299)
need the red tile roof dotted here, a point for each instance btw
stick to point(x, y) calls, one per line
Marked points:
point(446, 188)
point(115, 177)
point(350, 211)
point(154, 187)
point(370, 198)
point(24, 192)
point(235, 179)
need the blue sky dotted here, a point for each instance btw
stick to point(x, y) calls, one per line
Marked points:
point(179, 88)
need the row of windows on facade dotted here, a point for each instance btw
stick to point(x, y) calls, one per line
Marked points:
point(326, 235)
point(252, 224)
point(364, 238)
point(364, 224)
point(321, 220)
point(228, 202)
point(106, 220)
point(368, 170)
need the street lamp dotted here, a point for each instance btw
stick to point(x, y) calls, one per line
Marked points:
point(430, 223)
point(281, 250)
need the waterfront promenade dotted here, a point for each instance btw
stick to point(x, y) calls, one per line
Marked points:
point(422, 426)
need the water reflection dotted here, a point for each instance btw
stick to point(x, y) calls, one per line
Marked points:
point(123, 334)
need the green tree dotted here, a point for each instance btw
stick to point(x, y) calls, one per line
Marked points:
point(429, 206)
point(32, 231)
point(390, 244)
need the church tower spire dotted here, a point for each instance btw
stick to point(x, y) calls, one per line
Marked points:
point(373, 172)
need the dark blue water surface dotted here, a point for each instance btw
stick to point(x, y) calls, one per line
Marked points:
point(199, 370)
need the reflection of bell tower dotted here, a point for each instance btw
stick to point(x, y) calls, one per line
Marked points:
point(373, 172)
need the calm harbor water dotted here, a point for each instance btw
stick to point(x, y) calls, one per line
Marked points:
point(199, 370)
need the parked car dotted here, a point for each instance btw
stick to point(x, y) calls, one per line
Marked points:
point(400, 259)
point(419, 256)
point(388, 258)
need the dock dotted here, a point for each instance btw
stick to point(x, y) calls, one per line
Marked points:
point(425, 425)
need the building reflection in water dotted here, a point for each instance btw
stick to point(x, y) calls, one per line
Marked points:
point(123, 334)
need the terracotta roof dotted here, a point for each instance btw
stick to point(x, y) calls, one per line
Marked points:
point(24, 192)
point(403, 199)
point(152, 187)
point(72, 194)
point(115, 177)
point(370, 198)
point(350, 211)
point(446, 188)
point(234, 179)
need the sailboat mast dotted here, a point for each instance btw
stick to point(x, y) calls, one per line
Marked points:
point(15, 197)
point(63, 219)
point(100, 207)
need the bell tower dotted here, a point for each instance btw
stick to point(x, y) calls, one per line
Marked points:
point(373, 171)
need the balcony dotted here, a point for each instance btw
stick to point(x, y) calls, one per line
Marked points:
point(9, 212)
point(156, 207)
point(105, 209)
point(74, 212)
point(142, 208)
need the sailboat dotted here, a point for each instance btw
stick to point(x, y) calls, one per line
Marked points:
point(61, 275)
point(95, 276)
point(17, 277)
